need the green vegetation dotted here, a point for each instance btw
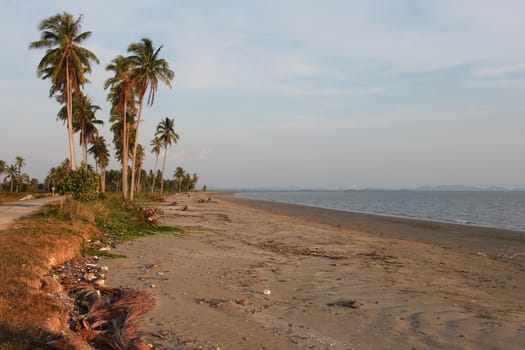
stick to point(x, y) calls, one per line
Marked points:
point(81, 184)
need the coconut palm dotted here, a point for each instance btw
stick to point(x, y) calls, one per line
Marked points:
point(179, 175)
point(100, 152)
point(167, 135)
point(20, 162)
point(156, 146)
point(121, 95)
point(65, 63)
point(147, 70)
point(11, 175)
point(139, 163)
point(84, 120)
point(194, 180)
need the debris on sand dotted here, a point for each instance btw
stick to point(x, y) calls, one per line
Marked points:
point(151, 215)
point(107, 317)
point(353, 304)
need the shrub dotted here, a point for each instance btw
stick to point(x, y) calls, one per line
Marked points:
point(82, 184)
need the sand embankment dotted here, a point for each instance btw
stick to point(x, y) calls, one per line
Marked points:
point(320, 265)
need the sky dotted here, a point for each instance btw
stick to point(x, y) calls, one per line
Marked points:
point(310, 94)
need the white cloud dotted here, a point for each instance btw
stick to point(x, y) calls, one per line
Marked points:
point(490, 72)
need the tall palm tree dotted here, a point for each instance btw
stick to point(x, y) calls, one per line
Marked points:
point(100, 152)
point(121, 94)
point(65, 62)
point(167, 135)
point(156, 146)
point(147, 70)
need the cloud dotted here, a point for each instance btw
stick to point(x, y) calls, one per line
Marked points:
point(490, 72)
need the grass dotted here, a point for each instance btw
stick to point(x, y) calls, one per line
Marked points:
point(55, 234)
point(121, 225)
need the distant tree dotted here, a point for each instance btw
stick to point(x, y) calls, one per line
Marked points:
point(147, 69)
point(33, 185)
point(166, 133)
point(20, 163)
point(65, 63)
point(3, 167)
point(179, 175)
point(57, 174)
point(204, 188)
point(139, 163)
point(100, 152)
point(12, 175)
point(156, 146)
point(194, 180)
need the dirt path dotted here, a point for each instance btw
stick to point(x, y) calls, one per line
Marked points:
point(9, 212)
point(245, 278)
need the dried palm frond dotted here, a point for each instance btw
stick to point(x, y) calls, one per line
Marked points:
point(109, 315)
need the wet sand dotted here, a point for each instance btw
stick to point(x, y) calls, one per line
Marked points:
point(336, 281)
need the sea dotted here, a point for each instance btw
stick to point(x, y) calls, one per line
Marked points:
point(497, 209)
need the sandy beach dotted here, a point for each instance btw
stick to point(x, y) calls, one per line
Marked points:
point(257, 275)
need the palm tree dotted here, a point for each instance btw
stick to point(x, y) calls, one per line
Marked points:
point(147, 70)
point(167, 135)
point(156, 146)
point(100, 152)
point(84, 120)
point(121, 94)
point(140, 162)
point(179, 175)
point(19, 163)
point(65, 63)
point(194, 180)
point(12, 174)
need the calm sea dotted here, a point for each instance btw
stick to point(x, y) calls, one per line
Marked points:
point(505, 209)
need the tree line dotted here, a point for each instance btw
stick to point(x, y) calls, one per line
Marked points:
point(134, 82)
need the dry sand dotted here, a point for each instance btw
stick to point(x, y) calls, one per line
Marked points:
point(416, 292)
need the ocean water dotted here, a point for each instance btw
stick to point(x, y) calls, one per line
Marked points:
point(499, 209)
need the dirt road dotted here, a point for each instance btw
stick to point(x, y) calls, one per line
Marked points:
point(9, 212)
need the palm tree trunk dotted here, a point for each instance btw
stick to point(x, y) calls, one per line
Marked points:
point(102, 179)
point(69, 102)
point(11, 184)
point(84, 144)
point(138, 180)
point(162, 173)
point(154, 174)
point(134, 156)
point(125, 145)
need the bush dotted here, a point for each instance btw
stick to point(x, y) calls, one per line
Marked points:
point(82, 184)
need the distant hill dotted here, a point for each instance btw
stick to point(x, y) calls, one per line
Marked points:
point(460, 188)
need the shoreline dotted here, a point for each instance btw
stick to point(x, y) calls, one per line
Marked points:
point(487, 240)
point(420, 219)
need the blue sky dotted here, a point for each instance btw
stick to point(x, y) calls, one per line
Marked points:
point(314, 94)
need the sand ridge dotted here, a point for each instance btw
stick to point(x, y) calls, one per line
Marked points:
point(413, 294)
